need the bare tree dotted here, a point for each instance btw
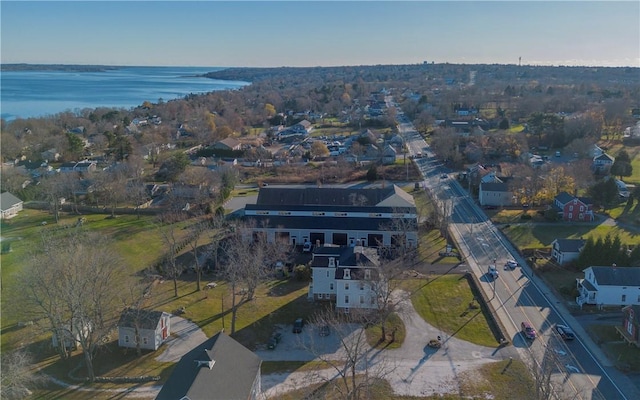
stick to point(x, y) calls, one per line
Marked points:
point(73, 284)
point(17, 375)
point(248, 257)
point(169, 231)
point(357, 369)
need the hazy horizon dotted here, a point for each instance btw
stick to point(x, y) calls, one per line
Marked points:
point(322, 33)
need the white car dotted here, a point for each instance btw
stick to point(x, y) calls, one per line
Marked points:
point(493, 271)
point(512, 264)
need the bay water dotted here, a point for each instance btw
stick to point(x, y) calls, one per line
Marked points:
point(25, 94)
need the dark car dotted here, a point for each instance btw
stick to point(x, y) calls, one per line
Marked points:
point(528, 330)
point(565, 332)
point(324, 330)
point(297, 325)
point(274, 340)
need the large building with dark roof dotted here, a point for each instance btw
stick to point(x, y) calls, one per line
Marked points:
point(219, 368)
point(341, 216)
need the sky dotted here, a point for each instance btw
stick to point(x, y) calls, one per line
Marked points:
point(320, 33)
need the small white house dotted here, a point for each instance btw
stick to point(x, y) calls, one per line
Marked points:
point(150, 328)
point(566, 250)
point(609, 286)
point(495, 194)
point(10, 205)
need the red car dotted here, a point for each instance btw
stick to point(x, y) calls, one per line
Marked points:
point(528, 330)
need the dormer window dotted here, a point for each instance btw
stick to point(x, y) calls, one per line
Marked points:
point(205, 363)
point(367, 274)
point(347, 273)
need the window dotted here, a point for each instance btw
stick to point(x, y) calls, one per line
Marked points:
point(361, 285)
point(581, 208)
point(624, 298)
point(331, 286)
point(361, 299)
point(347, 273)
point(346, 286)
point(570, 208)
point(367, 274)
point(346, 299)
point(570, 216)
point(126, 338)
point(327, 273)
point(145, 340)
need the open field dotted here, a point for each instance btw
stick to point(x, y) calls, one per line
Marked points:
point(535, 236)
point(444, 302)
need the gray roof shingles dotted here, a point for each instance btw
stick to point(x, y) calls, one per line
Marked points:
point(617, 276)
point(232, 376)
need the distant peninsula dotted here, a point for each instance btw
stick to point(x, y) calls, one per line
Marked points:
point(57, 67)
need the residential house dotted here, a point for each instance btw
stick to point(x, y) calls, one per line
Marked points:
point(566, 250)
point(388, 155)
point(630, 329)
point(609, 286)
point(50, 155)
point(229, 143)
point(573, 208)
point(10, 205)
point(347, 275)
point(303, 127)
point(495, 194)
point(334, 215)
point(219, 368)
point(82, 166)
point(602, 163)
point(147, 328)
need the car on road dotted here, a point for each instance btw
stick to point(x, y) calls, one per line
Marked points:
point(297, 325)
point(324, 330)
point(528, 331)
point(274, 340)
point(493, 271)
point(565, 332)
point(443, 176)
point(512, 264)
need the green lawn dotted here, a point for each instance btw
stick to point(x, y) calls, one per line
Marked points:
point(537, 236)
point(444, 303)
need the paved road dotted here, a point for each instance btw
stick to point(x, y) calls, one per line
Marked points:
point(580, 367)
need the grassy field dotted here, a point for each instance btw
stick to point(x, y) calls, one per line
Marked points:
point(444, 302)
point(528, 236)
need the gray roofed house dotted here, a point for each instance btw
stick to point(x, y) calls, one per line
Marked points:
point(228, 144)
point(350, 276)
point(218, 368)
point(609, 286)
point(144, 328)
point(495, 194)
point(565, 250)
point(10, 205)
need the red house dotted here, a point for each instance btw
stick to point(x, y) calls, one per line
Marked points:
point(573, 208)
point(630, 329)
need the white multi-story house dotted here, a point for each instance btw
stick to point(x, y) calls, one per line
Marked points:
point(609, 286)
point(350, 276)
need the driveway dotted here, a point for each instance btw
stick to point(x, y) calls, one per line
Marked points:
point(412, 370)
point(185, 335)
